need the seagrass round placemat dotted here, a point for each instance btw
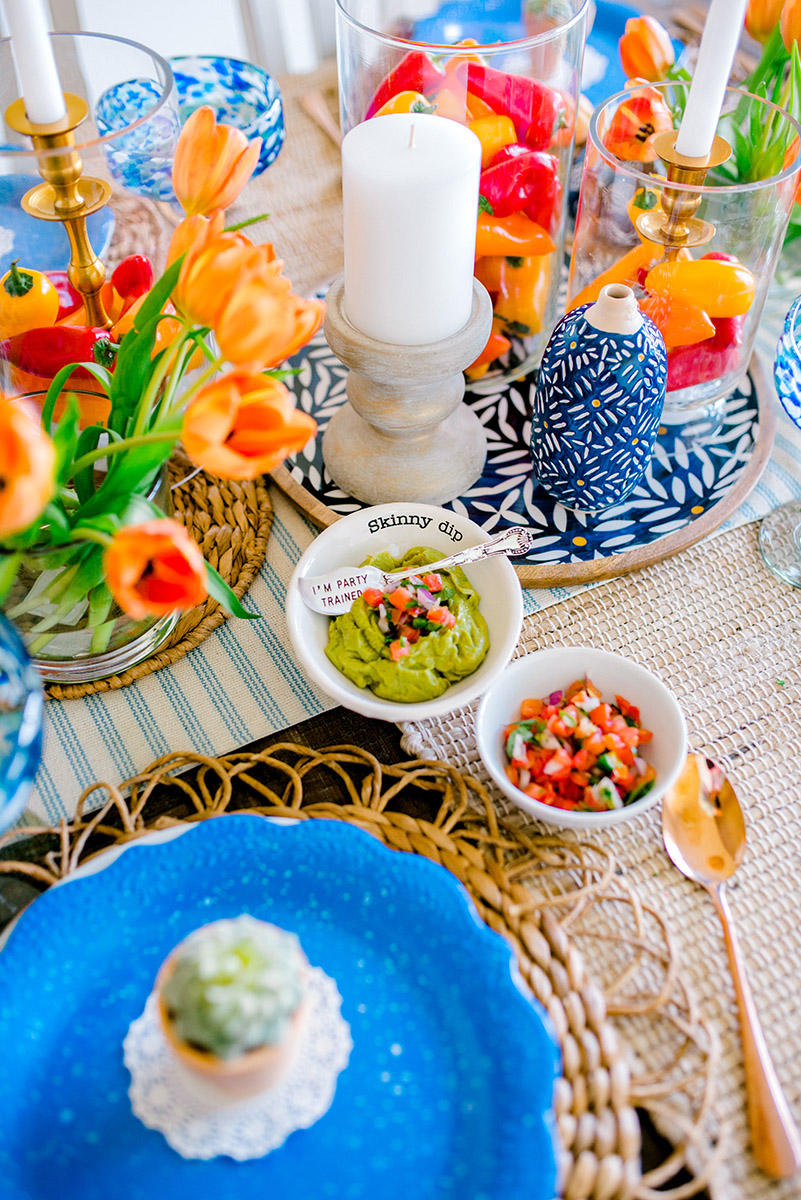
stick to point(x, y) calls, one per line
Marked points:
point(546, 895)
point(230, 522)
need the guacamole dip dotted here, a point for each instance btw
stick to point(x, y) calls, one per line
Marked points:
point(412, 643)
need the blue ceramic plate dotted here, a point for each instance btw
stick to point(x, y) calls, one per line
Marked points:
point(448, 1091)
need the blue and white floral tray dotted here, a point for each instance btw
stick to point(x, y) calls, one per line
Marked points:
point(688, 490)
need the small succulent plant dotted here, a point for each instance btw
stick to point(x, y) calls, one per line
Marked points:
point(234, 986)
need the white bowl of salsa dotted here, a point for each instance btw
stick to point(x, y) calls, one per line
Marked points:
point(397, 528)
point(546, 673)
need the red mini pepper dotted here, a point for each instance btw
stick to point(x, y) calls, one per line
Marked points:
point(414, 73)
point(533, 106)
point(523, 180)
point(133, 277)
point(69, 298)
point(46, 350)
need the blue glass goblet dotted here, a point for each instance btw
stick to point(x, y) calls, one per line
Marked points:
point(780, 531)
point(21, 708)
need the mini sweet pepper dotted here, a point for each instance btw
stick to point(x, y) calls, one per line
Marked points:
point(27, 298)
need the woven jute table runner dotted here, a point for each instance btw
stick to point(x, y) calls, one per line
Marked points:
point(725, 636)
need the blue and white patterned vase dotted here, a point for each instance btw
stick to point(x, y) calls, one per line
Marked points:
point(598, 402)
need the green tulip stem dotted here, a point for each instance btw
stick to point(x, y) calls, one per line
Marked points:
point(144, 439)
point(165, 365)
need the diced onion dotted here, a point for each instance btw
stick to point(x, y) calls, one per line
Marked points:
point(524, 779)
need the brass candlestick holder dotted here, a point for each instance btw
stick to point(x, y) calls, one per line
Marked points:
point(675, 225)
point(67, 195)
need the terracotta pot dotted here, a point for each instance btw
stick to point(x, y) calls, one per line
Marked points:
point(236, 1078)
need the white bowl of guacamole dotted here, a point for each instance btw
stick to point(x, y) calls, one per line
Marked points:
point(346, 657)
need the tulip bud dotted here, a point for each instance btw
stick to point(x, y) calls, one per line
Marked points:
point(762, 17)
point(646, 50)
point(791, 23)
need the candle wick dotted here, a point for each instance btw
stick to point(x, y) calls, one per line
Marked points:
point(411, 138)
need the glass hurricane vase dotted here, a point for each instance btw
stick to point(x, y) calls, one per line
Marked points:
point(389, 49)
point(745, 219)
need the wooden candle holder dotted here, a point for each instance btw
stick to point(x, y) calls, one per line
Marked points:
point(405, 433)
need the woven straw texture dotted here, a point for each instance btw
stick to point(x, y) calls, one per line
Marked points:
point(541, 894)
point(724, 635)
point(231, 523)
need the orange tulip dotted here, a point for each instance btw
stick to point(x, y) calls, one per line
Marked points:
point(762, 17)
point(242, 425)
point(154, 568)
point(193, 233)
point(212, 163)
point(264, 323)
point(791, 24)
point(237, 288)
point(632, 128)
point(646, 50)
point(27, 465)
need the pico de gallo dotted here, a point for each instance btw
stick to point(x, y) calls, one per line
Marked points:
point(416, 607)
point(573, 751)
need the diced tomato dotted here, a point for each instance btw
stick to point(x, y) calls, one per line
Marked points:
point(438, 615)
point(400, 597)
point(595, 743)
point(397, 650)
point(513, 774)
point(372, 596)
point(560, 764)
point(628, 710)
point(645, 736)
point(531, 708)
point(412, 636)
point(433, 583)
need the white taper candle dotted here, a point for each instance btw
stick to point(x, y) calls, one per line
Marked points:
point(724, 24)
point(33, 58)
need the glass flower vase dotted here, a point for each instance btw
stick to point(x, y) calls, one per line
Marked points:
point(72, 628)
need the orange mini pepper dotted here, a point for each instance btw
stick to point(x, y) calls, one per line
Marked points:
point(494, 132)
point(523, 293)
point(514, 235)
point(496, 345)
point(680, 323)
point(624, 270)
point(720, 287)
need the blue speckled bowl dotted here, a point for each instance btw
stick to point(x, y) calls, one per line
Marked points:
point(240, 93)
point(447, 1095)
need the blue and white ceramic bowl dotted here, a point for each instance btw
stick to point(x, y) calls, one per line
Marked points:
point(21, 709)
point(240, 93)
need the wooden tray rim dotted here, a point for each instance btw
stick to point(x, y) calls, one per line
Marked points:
point(595, 570)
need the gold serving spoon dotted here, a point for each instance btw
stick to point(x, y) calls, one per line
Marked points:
point(704, 833)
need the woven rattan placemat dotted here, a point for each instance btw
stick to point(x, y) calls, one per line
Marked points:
point(725, 636)
point(559, 902)
point(230, 522)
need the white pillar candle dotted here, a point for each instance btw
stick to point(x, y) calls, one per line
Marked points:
point(33, 58)
point(410, 193)
point(724, 24)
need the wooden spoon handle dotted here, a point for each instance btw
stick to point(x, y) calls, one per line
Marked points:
point(775, 1137)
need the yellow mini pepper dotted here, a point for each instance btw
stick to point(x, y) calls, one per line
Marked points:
point(406, 102)
point(523, 293)
point(28, 300)
point(494, 133)
point(720, 287)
